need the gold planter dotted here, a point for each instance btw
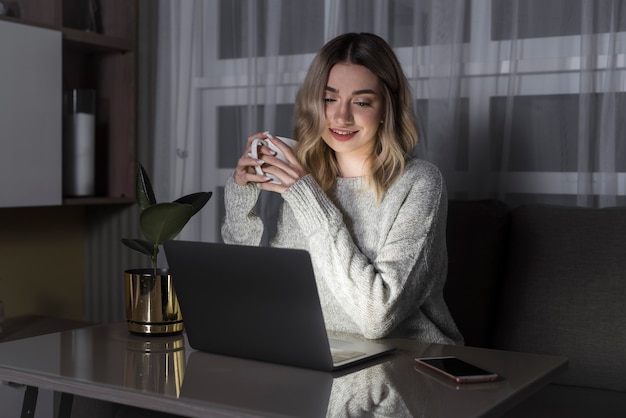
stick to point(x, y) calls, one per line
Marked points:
point(151, 303)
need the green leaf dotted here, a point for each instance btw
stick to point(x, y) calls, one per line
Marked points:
point(144, 193)
point(197, 200)
point(163, 221)
point(140, 245)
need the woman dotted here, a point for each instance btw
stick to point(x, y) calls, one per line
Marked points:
point(371, 217)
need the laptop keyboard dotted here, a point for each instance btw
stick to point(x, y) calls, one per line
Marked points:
point(340, 355)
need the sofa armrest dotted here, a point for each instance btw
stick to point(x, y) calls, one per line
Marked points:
point(565, 291)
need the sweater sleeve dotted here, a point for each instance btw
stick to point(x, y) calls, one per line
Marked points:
point(241, 225)
point(378, 293)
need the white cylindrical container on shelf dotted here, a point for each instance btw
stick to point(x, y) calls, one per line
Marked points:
point(79, 143)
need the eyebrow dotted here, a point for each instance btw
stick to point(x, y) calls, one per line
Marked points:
point(354, 93)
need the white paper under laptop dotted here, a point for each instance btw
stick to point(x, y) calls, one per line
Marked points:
point(259, 303)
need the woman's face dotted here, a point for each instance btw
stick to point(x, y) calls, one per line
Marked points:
point(354, 111)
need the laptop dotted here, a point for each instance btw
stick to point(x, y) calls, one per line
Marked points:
point(259, 303)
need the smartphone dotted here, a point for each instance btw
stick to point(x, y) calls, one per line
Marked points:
point(458, 370)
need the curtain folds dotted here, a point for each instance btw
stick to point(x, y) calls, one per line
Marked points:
point(518, 100)
point(522, 100)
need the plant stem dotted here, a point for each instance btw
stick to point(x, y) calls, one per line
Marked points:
point(154, 259)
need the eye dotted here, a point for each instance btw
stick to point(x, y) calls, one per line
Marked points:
point(362, 104)
point(329, 100)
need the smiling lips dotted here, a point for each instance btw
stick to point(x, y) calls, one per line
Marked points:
point(342, 135)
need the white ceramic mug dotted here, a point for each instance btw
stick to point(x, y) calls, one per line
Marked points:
point(268, 142)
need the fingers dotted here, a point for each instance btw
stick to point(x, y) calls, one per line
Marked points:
point(251, 138)
point(274, 165)
point(286, 172)
point(285, 149)
point(256, 167)
point(247, 171)
point(248, 167)
point(262, 149)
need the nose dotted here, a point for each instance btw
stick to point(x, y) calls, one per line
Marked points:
point(343, 114)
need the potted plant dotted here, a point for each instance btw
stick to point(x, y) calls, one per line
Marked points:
point(151, 302)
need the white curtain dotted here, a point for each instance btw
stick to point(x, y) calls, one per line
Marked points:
point(521, 100)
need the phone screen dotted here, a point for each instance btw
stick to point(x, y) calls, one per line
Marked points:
point(457, 369)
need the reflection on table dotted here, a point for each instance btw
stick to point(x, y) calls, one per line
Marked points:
point(107, 363)
point(155, 365)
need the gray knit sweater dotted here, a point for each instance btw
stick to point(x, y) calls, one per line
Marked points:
point(380, 267)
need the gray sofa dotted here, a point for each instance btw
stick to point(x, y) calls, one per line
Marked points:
point(545, 279)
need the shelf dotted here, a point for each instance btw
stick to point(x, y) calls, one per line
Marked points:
point(103, 61)
point(94, 41)
point(96, 200)
point(82, 39)
point(28, 22)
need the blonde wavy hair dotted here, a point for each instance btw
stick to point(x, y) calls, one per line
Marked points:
point(397, 135)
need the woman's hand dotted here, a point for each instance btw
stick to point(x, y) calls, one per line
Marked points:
point(245, 172)
point(287, 172)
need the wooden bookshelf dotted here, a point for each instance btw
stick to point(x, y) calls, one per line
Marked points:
point(104, 59)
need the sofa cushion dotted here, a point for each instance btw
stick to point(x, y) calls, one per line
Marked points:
point(476, 238)
point(565, 291)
